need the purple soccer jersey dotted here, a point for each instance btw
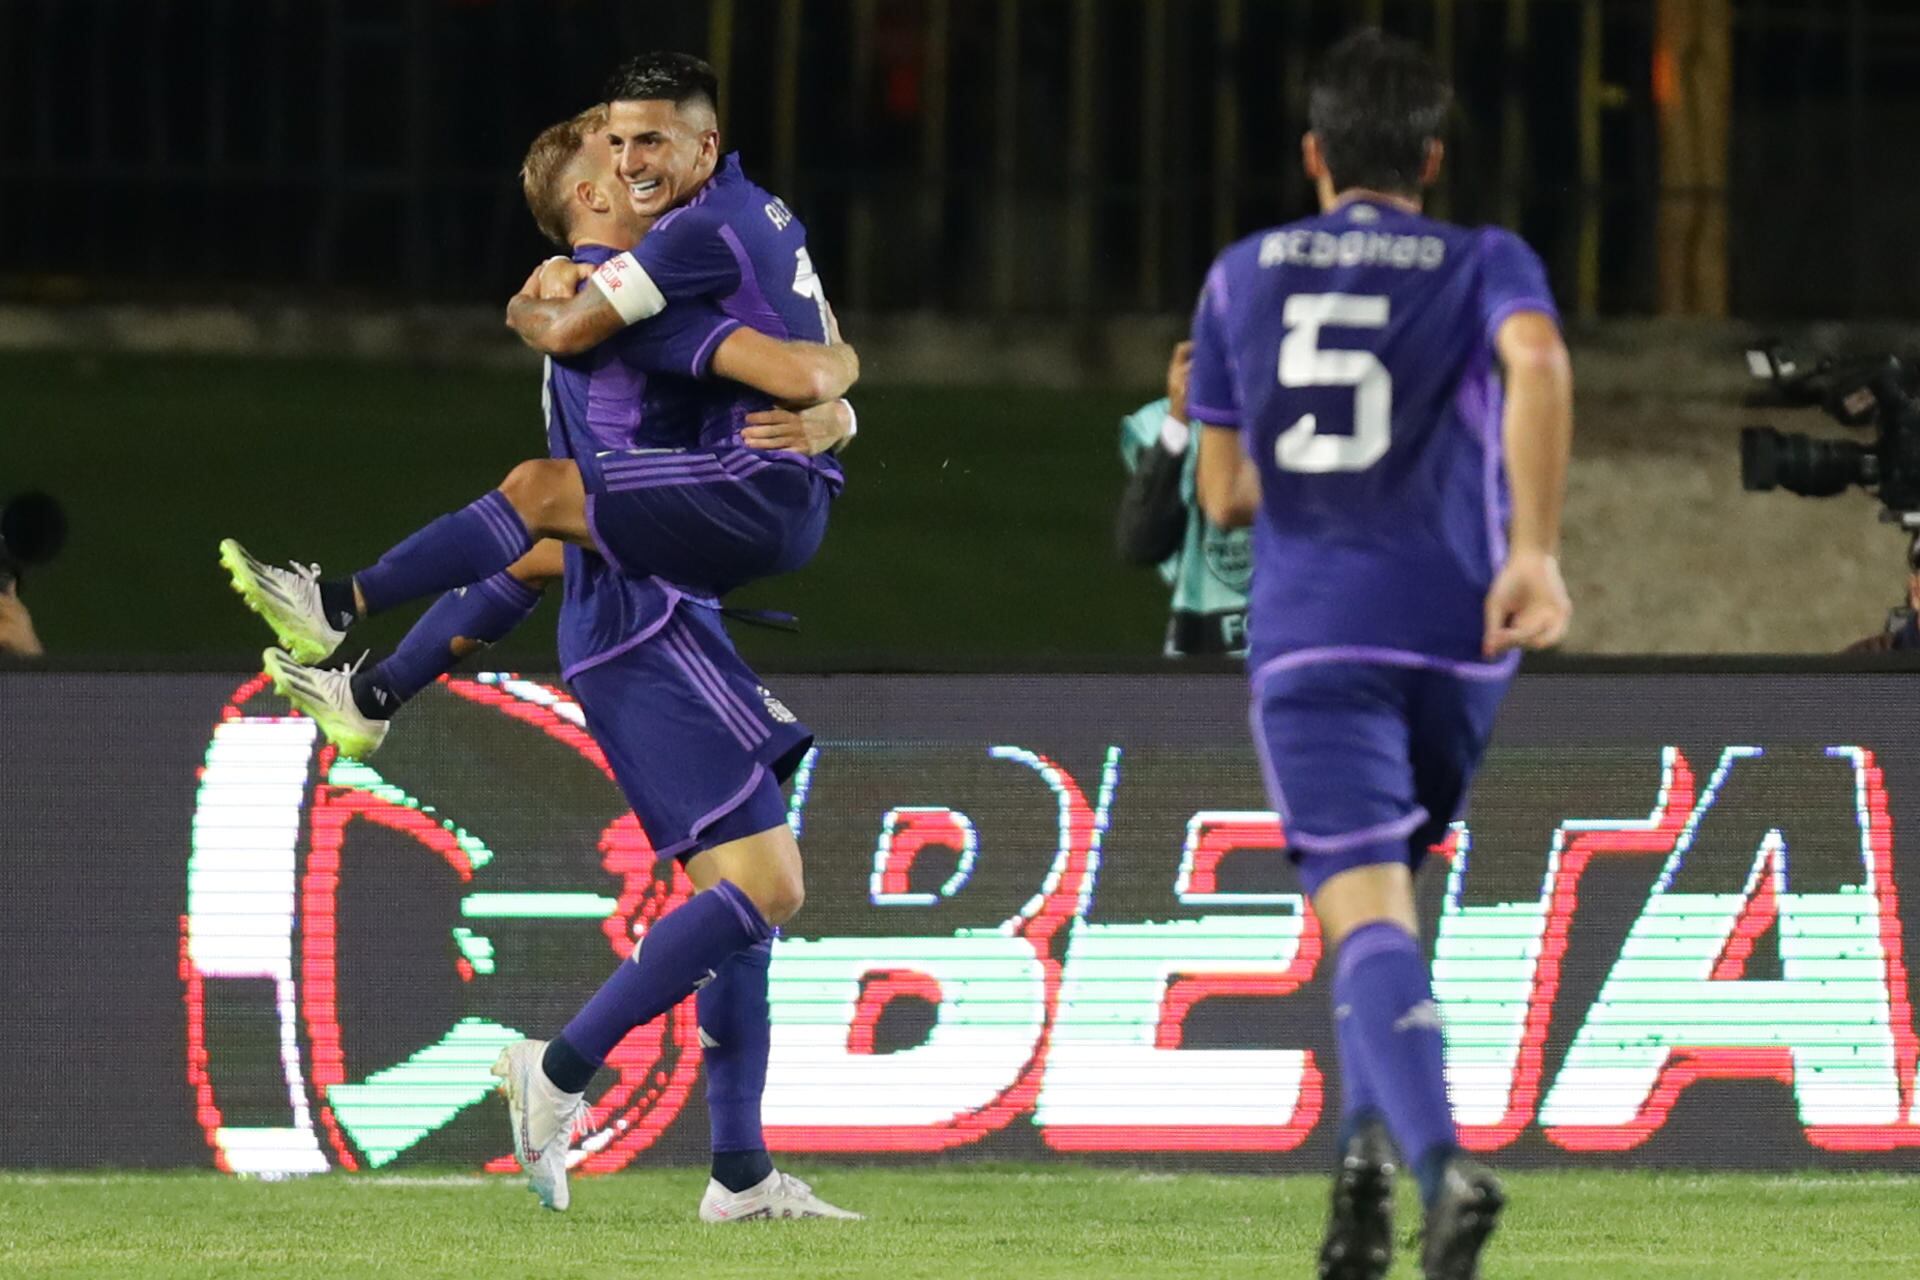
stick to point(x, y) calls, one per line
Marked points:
point(633, 391)
point(737, 245)
point(1354, 353)
point(627, 393)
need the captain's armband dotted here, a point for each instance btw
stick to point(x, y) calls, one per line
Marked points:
point(623, 282)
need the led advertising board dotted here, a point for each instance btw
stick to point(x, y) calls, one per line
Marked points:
point(1047, 916)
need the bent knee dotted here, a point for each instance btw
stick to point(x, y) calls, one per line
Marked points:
point(783, 896)
point(539, 490)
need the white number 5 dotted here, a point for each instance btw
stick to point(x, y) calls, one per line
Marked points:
point(1303, 364)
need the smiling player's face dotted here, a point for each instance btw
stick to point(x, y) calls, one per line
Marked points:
point(661, 154)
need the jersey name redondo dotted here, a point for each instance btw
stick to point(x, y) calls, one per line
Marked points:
point(1354, 351)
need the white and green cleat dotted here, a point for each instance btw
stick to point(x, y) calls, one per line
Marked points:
point(287, 599)
point(326, 696)
point(543, 1120)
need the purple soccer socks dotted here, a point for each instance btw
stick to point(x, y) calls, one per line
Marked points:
point(460, 548)
point(486, 612)
point(1390, 1038)
point(737, 1035)
point(684, 950)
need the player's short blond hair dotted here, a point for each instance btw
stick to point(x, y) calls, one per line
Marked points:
point(543, 174)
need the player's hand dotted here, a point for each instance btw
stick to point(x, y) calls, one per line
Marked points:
point(16, 627)
point(1178, 371)
point(557, 279)
point(1528, 606)
point(813, 431)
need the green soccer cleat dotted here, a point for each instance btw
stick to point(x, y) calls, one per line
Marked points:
point(288, 599)
point(326, 696)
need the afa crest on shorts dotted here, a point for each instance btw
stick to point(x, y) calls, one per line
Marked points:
point(776, 708)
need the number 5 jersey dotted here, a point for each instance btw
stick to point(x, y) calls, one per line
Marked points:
point(1354, 352)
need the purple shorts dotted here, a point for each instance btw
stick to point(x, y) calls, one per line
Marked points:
point(707, 521)
point(1369, 763)
point(697, 744)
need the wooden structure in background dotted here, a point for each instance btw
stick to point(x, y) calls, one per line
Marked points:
point(1693, 93)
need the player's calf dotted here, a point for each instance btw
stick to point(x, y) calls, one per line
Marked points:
point(460, 623)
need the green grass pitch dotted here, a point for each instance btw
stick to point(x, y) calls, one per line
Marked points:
point(975, 1220)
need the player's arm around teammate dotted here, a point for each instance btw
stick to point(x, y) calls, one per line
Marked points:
point(549, 495)
point(798, 374)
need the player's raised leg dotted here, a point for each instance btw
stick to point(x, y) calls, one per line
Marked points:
point(311, 614)
point(543, 498)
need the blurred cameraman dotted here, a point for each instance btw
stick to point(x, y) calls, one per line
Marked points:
point(1160, 523)
point(17, 638)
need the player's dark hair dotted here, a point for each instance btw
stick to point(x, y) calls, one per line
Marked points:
point(679, 78)
point(1375, 104)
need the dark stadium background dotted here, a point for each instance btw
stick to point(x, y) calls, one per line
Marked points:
point(1034, 173)
point(253, 260)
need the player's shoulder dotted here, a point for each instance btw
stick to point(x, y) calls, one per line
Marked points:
point(689, 221)
point(1234, 263)
point(1475, 243)
point(1490, 240)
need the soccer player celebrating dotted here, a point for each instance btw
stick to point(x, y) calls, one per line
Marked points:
point(1406, 514)
point(645, 653)
point(581, 204)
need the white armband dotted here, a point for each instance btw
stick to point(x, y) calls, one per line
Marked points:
point(625, 283)
point(853, 424)
point(1174, 435)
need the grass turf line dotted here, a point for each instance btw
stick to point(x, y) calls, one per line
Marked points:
point(958, 1221)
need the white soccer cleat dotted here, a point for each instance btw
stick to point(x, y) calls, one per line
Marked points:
point(779, 1195)
point(543, 1119)
point(288, 600)
point(326, 696)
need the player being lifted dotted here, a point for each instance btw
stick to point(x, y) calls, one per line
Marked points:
point(582, 205)
point(1348, 368)
point(640, 641)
